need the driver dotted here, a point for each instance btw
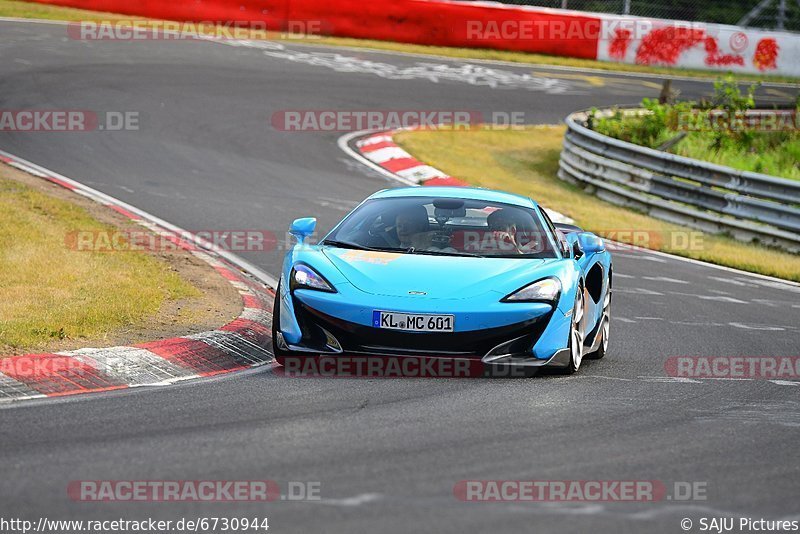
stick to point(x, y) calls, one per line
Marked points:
point(508, 229)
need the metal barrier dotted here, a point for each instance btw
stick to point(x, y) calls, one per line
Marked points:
point(747, 205)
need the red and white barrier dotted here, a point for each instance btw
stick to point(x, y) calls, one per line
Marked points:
point(698, 46)
point(621, 39)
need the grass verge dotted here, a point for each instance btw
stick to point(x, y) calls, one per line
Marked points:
point(32, 10)
point(526, 162)
point(18, 9)
point(776, 154)
point(54, 297)
point(717, 131)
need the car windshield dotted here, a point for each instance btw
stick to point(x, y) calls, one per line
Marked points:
point(444, 227)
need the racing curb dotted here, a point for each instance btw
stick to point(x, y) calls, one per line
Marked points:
point(379, 151)
point(243, 343)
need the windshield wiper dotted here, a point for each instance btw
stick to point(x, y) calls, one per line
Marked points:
point(424, 252)
point(356, 246)
point(410, 250)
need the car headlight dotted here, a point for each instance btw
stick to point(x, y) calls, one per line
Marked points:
point(304, 277)
point(546, 290)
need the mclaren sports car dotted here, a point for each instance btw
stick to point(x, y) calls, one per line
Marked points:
point(446, 272)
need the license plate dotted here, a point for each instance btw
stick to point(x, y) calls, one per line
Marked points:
point(413, 322)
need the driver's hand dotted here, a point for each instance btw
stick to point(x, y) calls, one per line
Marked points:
point(533, 247)
point(505, 241)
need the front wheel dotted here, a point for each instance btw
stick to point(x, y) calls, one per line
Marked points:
point(280, 355)
point(576, 335)
point(292, 362)
point(605, 329)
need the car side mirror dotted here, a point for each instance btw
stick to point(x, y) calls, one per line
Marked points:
point(590, 243)
point(303, 228)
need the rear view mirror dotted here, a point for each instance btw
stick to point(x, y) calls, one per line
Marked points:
point(442, 213)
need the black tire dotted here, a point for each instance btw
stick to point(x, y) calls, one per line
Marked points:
point(280, 355)
point(576, 336)
point(605, 329)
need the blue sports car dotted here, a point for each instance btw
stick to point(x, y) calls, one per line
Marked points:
point(446, 272)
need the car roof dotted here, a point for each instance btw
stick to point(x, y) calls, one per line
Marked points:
point(471, 193)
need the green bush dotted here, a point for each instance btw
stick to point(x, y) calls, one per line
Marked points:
point(709, 130)
point(652, 129)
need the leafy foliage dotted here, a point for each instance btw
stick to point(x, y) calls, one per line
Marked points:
point(712, 130)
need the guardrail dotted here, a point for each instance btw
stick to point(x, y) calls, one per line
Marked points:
point(747, 205)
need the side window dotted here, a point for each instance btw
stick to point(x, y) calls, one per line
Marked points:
point(563, 246)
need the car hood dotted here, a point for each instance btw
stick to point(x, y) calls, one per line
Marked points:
point(445, 277)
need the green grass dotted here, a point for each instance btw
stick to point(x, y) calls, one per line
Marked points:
point(776, 153)
point(526, 162)
point(773, 154)
point(48, 291)
point(31, 10)
point(13, 8)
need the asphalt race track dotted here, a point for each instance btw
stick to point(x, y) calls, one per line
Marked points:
point(387, 453)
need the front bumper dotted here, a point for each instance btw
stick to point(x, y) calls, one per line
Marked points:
point(536, 338)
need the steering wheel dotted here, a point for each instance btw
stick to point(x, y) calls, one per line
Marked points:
point(382, 231)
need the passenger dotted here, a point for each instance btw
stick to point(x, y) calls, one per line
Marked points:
point(413, 228)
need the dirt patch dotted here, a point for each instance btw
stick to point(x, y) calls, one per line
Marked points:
point(218, 302)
